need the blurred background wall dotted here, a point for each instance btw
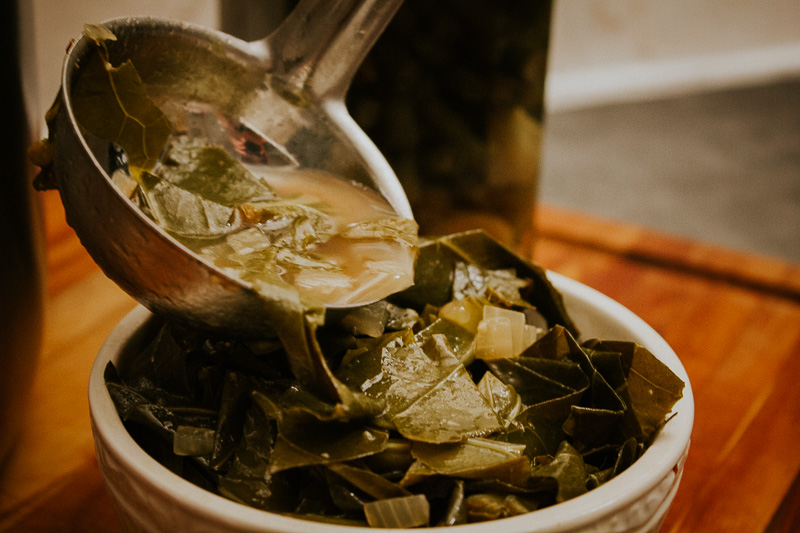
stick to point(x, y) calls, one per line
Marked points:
point(615, 50)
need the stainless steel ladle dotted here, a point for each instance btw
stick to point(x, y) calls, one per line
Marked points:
point(290, 85)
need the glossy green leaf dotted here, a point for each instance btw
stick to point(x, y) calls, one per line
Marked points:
point(112, 103)
point(539, 380)
point(304, 440)
point(183, 213)
point(502, 398)
point(483, 507)
point(248, 479)
point(475, 459)
point(404, 231)
point(423, 383)
point(652, 387)
point(369, 482)
point(457, 511)
point(569, 471)
point(209, 172)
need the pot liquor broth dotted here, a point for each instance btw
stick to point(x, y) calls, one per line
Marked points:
point(242, 203)
point(355, 261)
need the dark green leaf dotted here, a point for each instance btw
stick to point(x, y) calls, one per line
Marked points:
point(475, 459)
point(540, 380)
point(404, 231)
point(367, 481)
point(502, 398)
point(456, 511)
point(483, 507)
point(568, 469)
point(653, 388)
point(112, 103)
point(303, 440)
point(210, 173)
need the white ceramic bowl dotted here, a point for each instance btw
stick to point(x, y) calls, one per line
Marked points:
point(148, 497)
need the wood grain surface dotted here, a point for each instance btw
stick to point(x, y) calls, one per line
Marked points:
point(733, 318)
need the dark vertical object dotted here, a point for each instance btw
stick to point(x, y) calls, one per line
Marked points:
point(21, 265)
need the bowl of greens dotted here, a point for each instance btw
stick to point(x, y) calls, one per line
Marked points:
point(490, 390)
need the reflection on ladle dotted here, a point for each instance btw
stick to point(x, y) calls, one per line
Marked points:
point(291, 85)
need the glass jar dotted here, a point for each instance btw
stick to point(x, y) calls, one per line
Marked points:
point(452, 94)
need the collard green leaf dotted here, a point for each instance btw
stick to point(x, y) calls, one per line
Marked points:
point(502, 398)
point(369, 320)
point(456, 511)
point(433, 278)
point(483, 507)
point(404, 231)
point(367, 481)
point(542, 425)
point(460, 340)
point(568, 469)
point(297, 399)
point(112, 103)
point(396, 457)
point(477, 248)
point(209, 172)
point(348, 498)
point(248, 479)
point(293, 226)
point(539, 380)
point(233, 405)
point(590, 427)
point(652, 387)
point(183, 213)
point(628, 453)
point(501, 286)
point(161, 420)
point(422, 384)
point(475, 459)
point(193, 441)
point(303, 440)
point(485, 266)
point(449, 412)
point(399, 318)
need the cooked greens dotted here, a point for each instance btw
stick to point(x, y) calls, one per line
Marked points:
point(426, 430)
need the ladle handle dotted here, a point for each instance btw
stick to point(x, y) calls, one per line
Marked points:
point(321, 44)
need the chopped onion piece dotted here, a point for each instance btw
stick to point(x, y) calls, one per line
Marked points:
point(126, 184)
point(530, 335)
point(193, 441)
point(466, 312)
point(494, 339)
point(406, 511)
point(517, 325)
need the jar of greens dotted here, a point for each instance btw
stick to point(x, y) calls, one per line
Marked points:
point(452, 94)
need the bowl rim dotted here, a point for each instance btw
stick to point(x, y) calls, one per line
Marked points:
point(646, 473)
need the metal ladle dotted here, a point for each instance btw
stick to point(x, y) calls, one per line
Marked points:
point(291, 85)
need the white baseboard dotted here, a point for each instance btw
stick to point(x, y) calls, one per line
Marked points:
point(574, 89)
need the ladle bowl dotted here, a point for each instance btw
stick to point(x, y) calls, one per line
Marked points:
point(290, 86)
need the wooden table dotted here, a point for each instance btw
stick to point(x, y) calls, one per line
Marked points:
point(734, 320)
